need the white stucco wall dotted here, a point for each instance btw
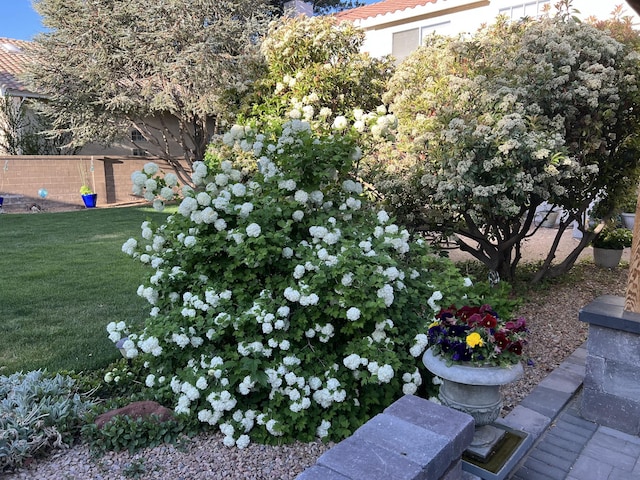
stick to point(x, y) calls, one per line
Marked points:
point(471, 15)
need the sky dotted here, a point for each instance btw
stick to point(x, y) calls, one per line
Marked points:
point(20, 21)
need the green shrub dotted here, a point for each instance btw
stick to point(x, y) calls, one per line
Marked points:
point(133, 434)
point(284, 306)
point(613, 238)
point(38, 413)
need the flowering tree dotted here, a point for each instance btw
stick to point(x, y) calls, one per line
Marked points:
point(316, 62)
point(520, 114)
point(282, 305)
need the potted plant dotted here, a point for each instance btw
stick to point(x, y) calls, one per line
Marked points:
point(628, 210)
point(609, 244)
point(89, 197)
point(474, 351)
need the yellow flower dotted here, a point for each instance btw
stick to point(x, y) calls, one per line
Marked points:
point(474, 340)
point(435, 323)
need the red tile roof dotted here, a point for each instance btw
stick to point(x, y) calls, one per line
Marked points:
point(381, 8)
point(12, 60)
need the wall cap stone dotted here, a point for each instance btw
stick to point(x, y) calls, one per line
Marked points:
point(608, 311)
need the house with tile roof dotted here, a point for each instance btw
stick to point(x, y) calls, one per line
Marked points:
point(13, 59)
point(397, 27)
point(14, 96)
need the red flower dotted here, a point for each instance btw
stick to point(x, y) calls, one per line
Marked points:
point(489, 321)
point(516, 348)
point(501, 340)
point(519, 325)
point(475, 319)
point(466, 312)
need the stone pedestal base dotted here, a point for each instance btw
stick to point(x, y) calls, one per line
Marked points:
point(485, 441)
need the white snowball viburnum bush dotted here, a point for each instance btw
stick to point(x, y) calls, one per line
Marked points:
point(283, 306)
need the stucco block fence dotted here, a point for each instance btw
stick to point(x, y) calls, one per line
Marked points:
point(413, 439)
point(611, 395)
point(22, 177)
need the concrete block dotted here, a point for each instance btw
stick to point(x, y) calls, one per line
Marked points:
point(525, 419)
point(628, 439)
point(614, 344)
point(590, 468)
point(594, 373)
point(560, 441)
point(584, 432)
point(317, 472)
point(615, 412)
point(622, 380)
point(360, 460)
point(578, 356)
point(553, 460)
point(458, 427)
point(562, 380)
point(432, 452)
point(454, 472)
point(546, 401)
point(573, 418)
point(547, 471)
point(608, 311)
point(613, 440)
point(575, 368)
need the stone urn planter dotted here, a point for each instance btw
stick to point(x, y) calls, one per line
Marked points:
point(473, 390)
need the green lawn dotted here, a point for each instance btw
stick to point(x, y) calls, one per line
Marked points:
point(63, 277)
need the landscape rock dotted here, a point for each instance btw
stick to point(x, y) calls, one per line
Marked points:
point(135, 410)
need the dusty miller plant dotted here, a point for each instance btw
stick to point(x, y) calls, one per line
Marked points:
point(38, 413)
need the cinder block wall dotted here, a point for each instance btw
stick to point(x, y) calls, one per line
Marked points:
point(611, 395)
point(21, 177)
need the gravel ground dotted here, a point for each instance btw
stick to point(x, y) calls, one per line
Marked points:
point(555, 332)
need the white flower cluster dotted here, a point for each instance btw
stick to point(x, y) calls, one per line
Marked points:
point(384, 373)
point(323, 430)
point(379, 333)
point(353, 361)
point(435, 297)
point(420, 346)
point(150, 345)
point(117, 330)
point(411, 382)
point(326, 331)
point(148, 184)
point(331, 393)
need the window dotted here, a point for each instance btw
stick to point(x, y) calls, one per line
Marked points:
point(403, 43)
point(533, 8)
point(138, 152)
point(442, 28)
point(136, 136)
